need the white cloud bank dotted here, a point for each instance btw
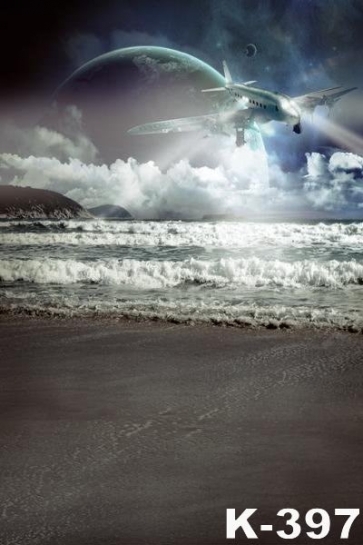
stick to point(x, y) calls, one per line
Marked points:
point(144, 189)
point(241, 184)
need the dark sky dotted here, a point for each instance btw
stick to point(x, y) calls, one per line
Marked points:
point(301, 43)
point(35, 36)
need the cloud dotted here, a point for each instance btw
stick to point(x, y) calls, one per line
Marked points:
point(44, 142)
point(242, 183)
point(334, 183)
point(144, 189)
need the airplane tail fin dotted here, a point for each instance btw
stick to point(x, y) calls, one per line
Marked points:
point(227, 73)
point(227, 77)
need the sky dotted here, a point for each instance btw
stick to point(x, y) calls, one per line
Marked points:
point(302, 45)
point(299, 41)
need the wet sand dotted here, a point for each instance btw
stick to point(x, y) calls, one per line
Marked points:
point(137, 433)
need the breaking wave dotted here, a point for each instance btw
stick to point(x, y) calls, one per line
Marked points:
point(176, 234)
point(229, 273)
point(251, 272)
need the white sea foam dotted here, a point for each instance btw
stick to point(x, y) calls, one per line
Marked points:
point(237, 273)
point(191, 311)
point(178, 234)
point(250, 272)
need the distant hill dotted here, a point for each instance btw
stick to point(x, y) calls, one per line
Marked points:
point(30, 203)
point(110, 211)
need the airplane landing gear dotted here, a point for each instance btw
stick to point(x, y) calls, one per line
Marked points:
point(240, 137)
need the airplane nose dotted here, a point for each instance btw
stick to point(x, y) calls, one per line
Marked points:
point(294, 120)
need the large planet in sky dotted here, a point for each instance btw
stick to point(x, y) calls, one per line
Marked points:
point(137, 85)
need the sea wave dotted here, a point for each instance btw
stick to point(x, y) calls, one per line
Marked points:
point(176, 234)
point(250, 272)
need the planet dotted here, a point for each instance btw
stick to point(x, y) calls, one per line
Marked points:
point(132, 86)
point(250, 50)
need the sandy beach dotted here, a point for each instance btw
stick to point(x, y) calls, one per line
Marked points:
point(134, 433)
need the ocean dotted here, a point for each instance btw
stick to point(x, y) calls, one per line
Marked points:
point(234, 273)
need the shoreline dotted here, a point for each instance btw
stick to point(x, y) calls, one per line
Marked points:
point(91, 316)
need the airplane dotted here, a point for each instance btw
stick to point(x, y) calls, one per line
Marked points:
point(253, 104)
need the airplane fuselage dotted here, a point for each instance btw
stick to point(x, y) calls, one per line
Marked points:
point(266, 105)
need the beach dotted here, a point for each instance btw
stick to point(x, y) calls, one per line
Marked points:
point(124, 432)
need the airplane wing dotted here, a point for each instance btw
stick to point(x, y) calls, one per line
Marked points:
point(325, 97)
point(210, 122)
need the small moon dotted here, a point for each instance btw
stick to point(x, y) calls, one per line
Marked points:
point(250, 50)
